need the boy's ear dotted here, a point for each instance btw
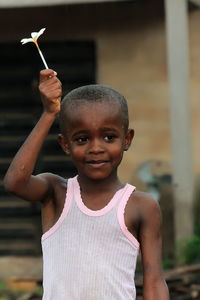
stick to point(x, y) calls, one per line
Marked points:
point(63, 143)
point(128, 139)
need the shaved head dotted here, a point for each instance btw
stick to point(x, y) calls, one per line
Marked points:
point(92, 93)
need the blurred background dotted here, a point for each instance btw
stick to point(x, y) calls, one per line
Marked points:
point(148, 51)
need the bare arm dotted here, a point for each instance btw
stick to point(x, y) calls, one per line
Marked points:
point(151, 247)
point(19, 179)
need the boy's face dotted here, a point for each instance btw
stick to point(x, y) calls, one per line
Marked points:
point(95, 138)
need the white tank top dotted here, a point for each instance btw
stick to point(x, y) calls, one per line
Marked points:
point(90, 255)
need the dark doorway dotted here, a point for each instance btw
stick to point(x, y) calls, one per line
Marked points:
point(74, 61)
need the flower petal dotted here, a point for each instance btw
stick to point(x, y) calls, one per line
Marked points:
point(41, 31)
point(24, 41)
point(34, 35)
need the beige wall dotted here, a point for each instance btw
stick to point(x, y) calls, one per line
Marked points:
point(194, 25)
point(139, 64)
point(131, 57)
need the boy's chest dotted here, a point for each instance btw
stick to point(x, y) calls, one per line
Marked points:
point(131, 212)
point(52, 212)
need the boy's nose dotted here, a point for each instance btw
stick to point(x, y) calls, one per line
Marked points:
point(96, 146)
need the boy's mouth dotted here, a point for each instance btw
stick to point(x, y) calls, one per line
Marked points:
point(96, 163)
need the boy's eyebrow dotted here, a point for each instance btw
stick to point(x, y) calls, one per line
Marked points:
point(87, 131)
point(80, 132)
point(109, 129)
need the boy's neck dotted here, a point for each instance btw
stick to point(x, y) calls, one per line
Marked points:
point(91, 186)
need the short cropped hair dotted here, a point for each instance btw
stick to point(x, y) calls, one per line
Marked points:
point(92, 93)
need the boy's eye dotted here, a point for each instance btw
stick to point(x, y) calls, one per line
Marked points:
point(109, 137)
point(81, 139)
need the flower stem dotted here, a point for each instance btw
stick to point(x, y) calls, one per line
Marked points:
point(41, 55)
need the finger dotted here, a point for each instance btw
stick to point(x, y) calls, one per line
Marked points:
point(51, 92)
point(50, 85)
point(54, 81)
point(46, 74)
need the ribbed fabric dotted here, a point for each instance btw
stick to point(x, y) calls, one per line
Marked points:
point(90, 255)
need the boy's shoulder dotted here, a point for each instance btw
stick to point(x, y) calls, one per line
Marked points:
point(142, 196)
point(140, 212)
point(143, 203)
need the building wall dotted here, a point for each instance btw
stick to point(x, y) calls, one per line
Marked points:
point(131, 57)
point(194, 23)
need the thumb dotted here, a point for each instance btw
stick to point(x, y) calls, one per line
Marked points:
point(46, 74)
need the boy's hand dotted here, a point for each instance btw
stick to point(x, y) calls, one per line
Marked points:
point(50, 89)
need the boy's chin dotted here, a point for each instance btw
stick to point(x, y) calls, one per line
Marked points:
point(96, 176)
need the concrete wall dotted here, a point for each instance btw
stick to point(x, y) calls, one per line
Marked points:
point(131, 57)
point(194, 24)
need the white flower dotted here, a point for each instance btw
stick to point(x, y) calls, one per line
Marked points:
point(34, 37)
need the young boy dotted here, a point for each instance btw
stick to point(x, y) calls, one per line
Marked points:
point(93, 223)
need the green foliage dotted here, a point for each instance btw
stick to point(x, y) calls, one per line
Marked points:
point(2, 289)
point(167, 264)
point(2, 286)
point(38, 292)
point(6, 294)
point(190, 250)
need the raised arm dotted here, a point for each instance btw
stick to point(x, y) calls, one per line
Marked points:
point(154, 287)
point(19, 179)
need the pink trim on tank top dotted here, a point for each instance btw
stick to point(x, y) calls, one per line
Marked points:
point(74, 187)
point(120, 215)
point(95, 213)
point(64, 213)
